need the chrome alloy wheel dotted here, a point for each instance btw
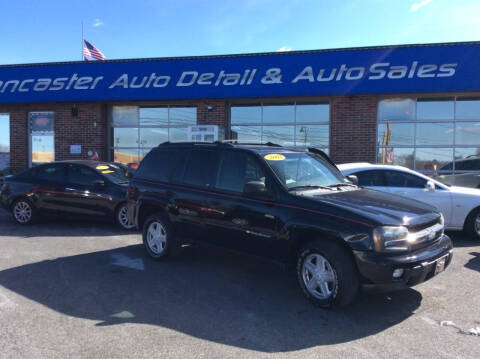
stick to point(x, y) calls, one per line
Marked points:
point(123, 218)
point(318, 276)
point(156, 237)
point(22, 212)
point(477, 224)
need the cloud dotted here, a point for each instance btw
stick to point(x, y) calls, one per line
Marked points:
point(97, 23)
point(420, 4)
point(284, 48)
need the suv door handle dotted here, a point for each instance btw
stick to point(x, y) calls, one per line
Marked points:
point(70, 189)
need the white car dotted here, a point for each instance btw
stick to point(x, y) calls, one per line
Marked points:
point(460, 205)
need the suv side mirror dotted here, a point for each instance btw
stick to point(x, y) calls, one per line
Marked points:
point(255, 188)
point(353, 179)
point(430, 186)
point(98, 183)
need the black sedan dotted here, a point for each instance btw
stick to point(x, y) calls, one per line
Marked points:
point(76, 188)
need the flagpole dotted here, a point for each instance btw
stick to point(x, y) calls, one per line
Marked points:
point(82, 41)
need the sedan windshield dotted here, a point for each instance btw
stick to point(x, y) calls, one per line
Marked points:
point(113, 173)
point(299, 170)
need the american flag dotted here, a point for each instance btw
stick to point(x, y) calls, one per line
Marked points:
point(91, 51)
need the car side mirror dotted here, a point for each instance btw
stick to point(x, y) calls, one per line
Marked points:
point(255, 188)
point(353, 179)
point(430, 186)
point(98, 183)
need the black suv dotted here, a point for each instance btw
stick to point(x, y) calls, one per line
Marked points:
point(290, 206)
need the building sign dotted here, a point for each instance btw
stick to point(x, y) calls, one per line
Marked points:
point(41, 123)
point(429, 68)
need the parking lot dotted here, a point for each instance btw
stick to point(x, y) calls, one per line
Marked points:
point(88, 290)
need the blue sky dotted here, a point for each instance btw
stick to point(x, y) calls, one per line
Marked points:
point(50, 30)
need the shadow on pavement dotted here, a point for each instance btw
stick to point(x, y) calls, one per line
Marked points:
point(59, 227)
point(460, 239)
point(474, 263)
point(206, 293)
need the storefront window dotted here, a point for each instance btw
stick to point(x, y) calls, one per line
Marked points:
point(136, 130)
point(42, 137)
point(438, 110)
point(295, 124)
point(396, 110)
point(4, 144)
point(441, 138)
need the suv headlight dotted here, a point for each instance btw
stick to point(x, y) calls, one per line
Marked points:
point(390, 239)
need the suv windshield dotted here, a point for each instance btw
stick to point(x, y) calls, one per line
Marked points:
point(113, 173)
point(299, 169)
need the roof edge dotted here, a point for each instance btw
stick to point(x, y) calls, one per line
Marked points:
point(284, 53)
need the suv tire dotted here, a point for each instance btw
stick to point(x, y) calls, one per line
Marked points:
point(472, 224)
point(23, 211)
point(158, 238)
point(327, 274)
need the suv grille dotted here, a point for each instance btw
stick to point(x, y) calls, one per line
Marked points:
point(426, 236)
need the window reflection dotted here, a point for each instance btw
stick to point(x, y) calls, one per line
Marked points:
point(467, 133)
point(281, 135)
point(396, 110)
point(125, 155)
point(136, 129)
point(278, 114)
point(248, 134)
point(396, 134)
point(432, 159)
point(125, 137)
point(441, 110)
point(154, 116)
point(312, 135)
point(184, 116)
point(434, 134)
point(246, 115)
point(125, 115)
point(43, 149)
point(312, 113)
point(151, 137)
point(303, 124)
point(396, 156)
point(467, 109)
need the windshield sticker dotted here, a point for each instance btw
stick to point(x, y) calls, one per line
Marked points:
point(274, 157)
point(103, 167)
point(106, 171)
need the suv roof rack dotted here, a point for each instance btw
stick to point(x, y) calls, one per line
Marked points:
point(229, 143)
point(235, 142)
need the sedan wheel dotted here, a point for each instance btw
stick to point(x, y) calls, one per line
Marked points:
point(477, 224)
point(122, 218)
point(318, 276)
point(22, 212)
point(156, 237)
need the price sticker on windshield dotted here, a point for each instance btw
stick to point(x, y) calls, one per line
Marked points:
point(107, 171)
point(103, 167)
point(274, 157)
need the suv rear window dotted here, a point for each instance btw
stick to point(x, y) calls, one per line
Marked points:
point(200, 168)
point(162, 164)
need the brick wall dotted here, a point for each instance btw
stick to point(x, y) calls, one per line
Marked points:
point(353, 128)
point(216, 115)
point(88, 129)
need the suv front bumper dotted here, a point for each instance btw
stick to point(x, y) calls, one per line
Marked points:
point(376, 269)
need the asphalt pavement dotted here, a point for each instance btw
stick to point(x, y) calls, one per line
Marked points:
point(72, 289)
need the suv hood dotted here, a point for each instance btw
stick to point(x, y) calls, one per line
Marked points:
point(380, 207)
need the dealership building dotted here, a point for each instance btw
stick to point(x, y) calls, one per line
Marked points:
point(413, 105)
